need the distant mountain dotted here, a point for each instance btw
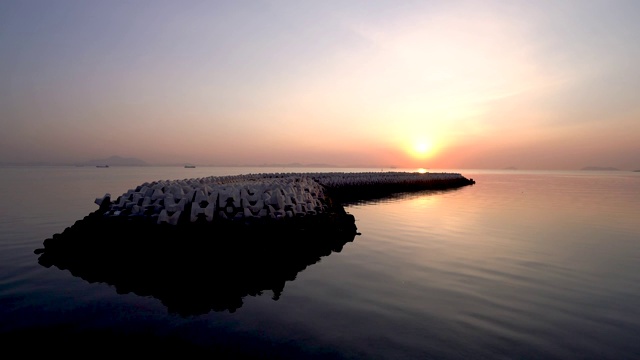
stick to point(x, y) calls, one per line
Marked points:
point(600, 168)
point(115, 161)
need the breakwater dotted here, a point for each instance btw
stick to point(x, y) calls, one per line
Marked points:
point(221, 209)
point(172, 239)
point(254, 197)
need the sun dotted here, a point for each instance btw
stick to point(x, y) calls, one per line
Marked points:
point(422, 149)
point(418, 150)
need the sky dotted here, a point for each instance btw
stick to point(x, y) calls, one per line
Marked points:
point(432, 84)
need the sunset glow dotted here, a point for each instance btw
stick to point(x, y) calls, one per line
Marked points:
point(457, 84)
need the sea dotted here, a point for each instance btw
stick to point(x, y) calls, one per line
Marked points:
point(520, 265)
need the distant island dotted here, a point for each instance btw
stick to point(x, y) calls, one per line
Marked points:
point(600, 168)
point(114, 161)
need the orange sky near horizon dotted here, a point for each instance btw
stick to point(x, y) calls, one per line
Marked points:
point(432, 84)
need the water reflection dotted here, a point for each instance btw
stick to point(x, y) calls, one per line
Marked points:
point(194, 270)
point(384, 197)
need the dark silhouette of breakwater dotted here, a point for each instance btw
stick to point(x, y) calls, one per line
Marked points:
point(197, 268)
point(367, 191)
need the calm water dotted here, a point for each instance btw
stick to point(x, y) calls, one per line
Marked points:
point(521, 265)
